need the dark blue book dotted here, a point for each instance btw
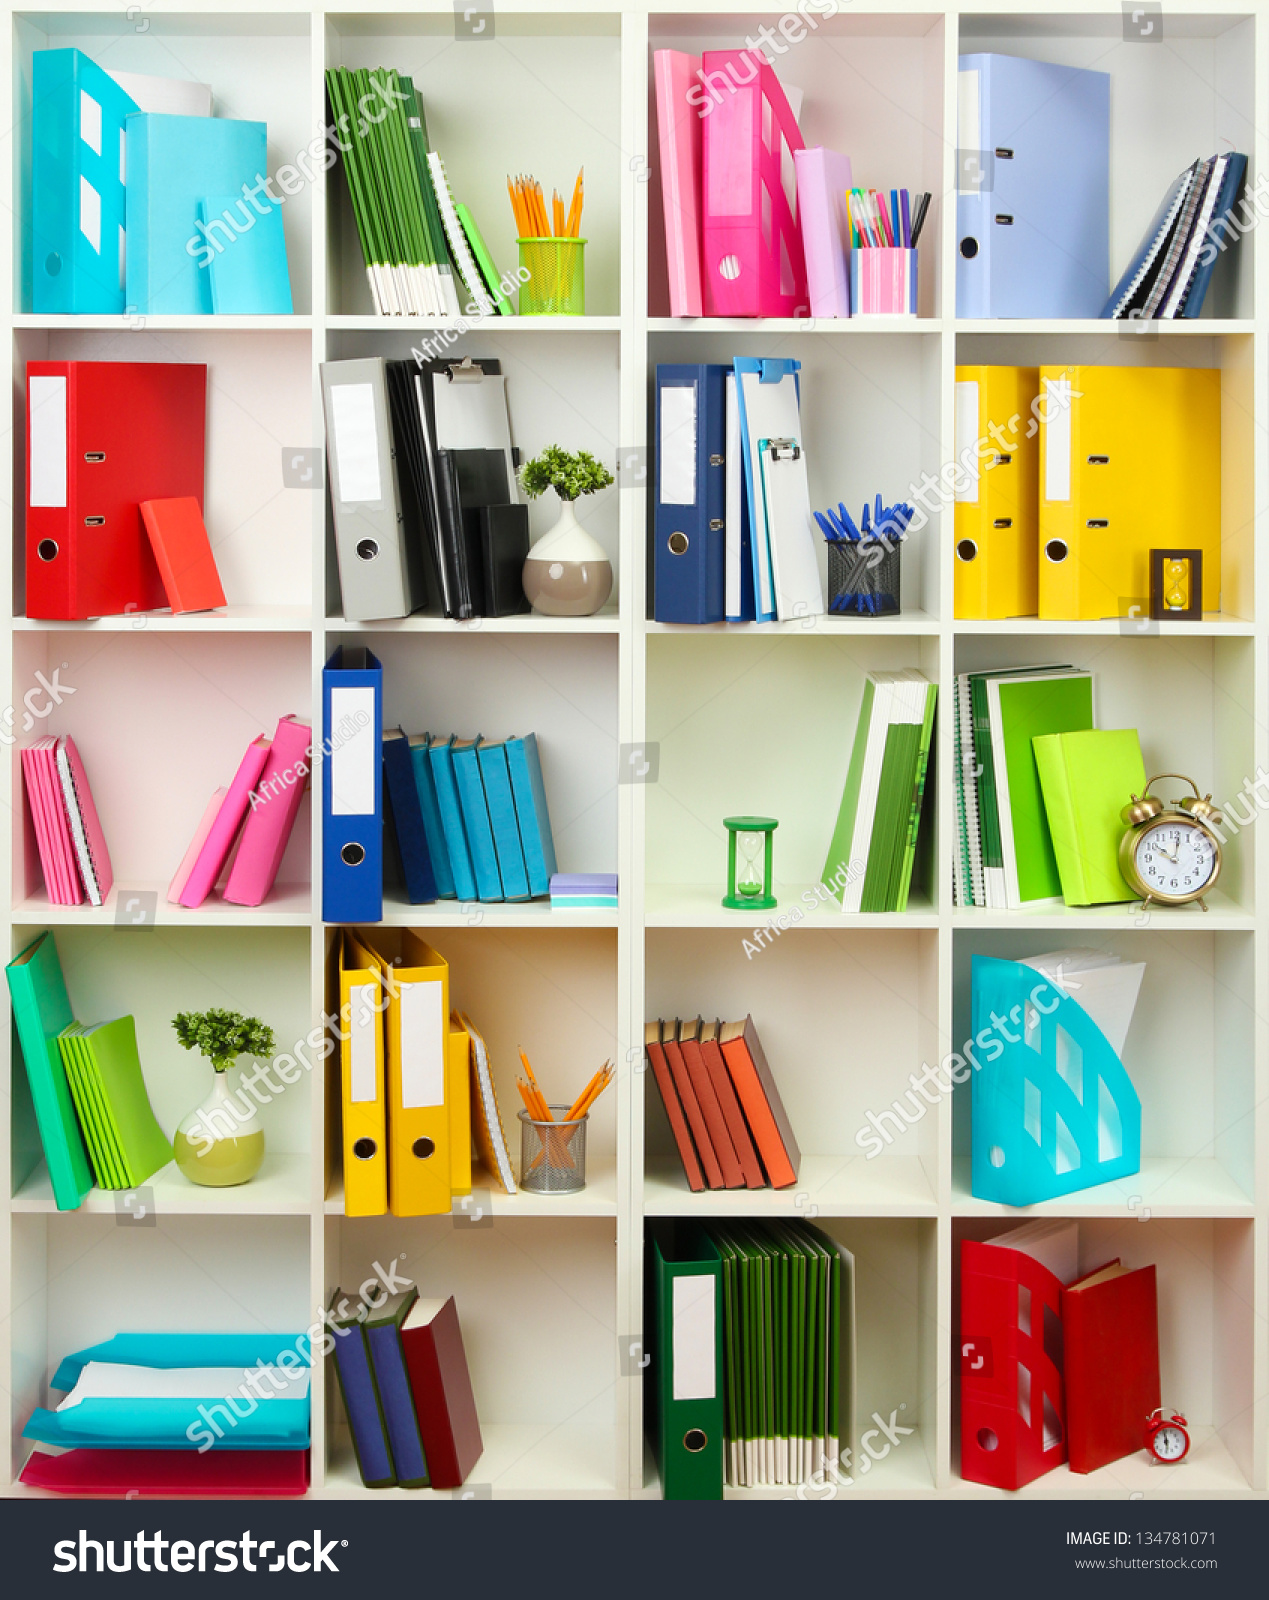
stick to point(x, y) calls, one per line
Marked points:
point(396, 1399)
point(361, 1397)
point(1220, 234)
point(407, 818)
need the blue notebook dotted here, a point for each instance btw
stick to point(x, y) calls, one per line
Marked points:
point(77, 190)
point(502, 818)
point(407, 819)
point(525, 769)
point(429, 805)
point(476, 823)
point(173, 162)
point(400, 1418)
point(1210, 254)
point(244, 255)
point(441, 753)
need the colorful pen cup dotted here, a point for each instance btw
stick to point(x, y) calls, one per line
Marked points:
point(556, 285)
point(552, 1154)
point(883, 282)
point(863, 577)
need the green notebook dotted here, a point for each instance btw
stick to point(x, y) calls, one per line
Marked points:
point(41, 1010)
point(1085, 778)
point(108, 1051)
point(86, 1095)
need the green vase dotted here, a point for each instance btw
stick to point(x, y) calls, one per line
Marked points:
point(219, 1144)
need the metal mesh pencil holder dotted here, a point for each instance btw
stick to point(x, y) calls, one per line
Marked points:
point(863, 576)
point(556, 285)
point(552, 1154)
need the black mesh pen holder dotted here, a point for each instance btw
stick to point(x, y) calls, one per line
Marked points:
point(863, 577)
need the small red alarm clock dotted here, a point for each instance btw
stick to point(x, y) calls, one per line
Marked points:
point(1166, 1438)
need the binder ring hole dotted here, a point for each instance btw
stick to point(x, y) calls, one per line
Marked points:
point(367, 549)
point(52, 263)
point(1056, 550)
point(729, 268)
point(352, 855)
point(694, 1441)
point(423, 1148)
point(987, 1439)
point(969, 248)
point(47, 549)
point(365, 1149)
point(966, 550)
point(678, 544)
point(1003, 522)
point(996, 1156)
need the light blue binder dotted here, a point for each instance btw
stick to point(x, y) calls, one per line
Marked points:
point(280, 1422)
point(1038, 1120)
point(1033, 182)
point(173, 162)
point(77, 188)
point(525, 768)
point(247, 264)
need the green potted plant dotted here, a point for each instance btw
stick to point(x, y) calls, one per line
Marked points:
point(567, 573)
point(221, 1142)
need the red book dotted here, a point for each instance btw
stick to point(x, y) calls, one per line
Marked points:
point(673, 1110)
point(707, 1099)
point(232, 1474)
point(733, 1116)
point(101, 437)
point(692, 1111)
point(1110, 1323)
point(760, 1101)
point(432, 1342)
point(183, 553)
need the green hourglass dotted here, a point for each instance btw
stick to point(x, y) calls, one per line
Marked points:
point(749, 842)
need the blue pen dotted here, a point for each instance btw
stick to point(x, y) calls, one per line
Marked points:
point(894, 215)
point(907, 219)
point(826, 527)
point(844, 517)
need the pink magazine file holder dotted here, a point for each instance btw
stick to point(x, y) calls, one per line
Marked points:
point(679, 141)
point(751, 247)
point(883, 282)
point(273, 807)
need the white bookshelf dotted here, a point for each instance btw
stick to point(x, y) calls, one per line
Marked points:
point(745, 719)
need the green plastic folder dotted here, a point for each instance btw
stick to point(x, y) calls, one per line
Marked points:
point(687, 1363)
point(88, 1103)
point(41, 1010)
point(1085, 778)
point(109, 1052)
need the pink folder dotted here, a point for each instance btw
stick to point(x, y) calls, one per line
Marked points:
point(751, 249)
point(679, 132)
point(52, 830)
point(196, 844)
point(219, 841)
point(274, 803)
point(92, 859)
point(823, 179)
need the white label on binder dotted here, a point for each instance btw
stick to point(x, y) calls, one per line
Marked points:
point(678, 444)
point(735, 488)
point(363, 1024)
point(90, 122)
point(352, 756)
point(1057, 438)
point(693, 1308)
point(90, 214)
point(47, 425)
point(356, 443)
point(967, 439)
point(968, 134)
point(423, 1044)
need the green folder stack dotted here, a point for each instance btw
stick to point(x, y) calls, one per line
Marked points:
point(1086, 778)
point(125, 1143)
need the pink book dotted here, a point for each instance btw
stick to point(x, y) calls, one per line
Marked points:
point(219, 841)
point(92, 859)
point(196, 844)
point(52, 832)
point(751, 251)
point(274, 804)
point(823, 179)
point(679, 133)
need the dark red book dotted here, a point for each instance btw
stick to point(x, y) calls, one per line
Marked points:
point(673, 1110)
point(707, 1099)
point(733, 1116)
point(1110, 1324)
point(168, 1474)
point(692, 1111)
point(441, 1385)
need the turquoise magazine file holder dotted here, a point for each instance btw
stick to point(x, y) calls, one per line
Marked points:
point(1053, 1109)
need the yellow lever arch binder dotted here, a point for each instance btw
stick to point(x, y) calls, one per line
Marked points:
point(362, 1079)
point(418, 1067)
point(458, 1094)
point(997, 513)
point(1130, 461)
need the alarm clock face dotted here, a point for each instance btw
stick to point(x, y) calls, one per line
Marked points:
point(1175, 859)
point(1169, 1443)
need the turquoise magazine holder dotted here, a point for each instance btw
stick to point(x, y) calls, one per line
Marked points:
point(1053, 1111)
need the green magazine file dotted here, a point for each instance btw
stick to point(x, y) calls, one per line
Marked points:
point(687, 1362)
point(41, 1010)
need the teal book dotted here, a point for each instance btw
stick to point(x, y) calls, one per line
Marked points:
point(476, 823)
point(525, 767)
point(441, 756)
point(247, 267)
point(502, 819)
point(429, 804)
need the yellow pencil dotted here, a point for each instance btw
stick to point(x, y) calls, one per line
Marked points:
point(575, 210)
point(557, 213)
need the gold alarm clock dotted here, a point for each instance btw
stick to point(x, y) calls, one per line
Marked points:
point(1170, 854)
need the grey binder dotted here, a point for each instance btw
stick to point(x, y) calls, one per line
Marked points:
point(380, 571)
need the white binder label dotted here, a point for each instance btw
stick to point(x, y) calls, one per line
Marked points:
point(90, 122)
point(678, 444)
point(423, 1036)
point(352, 756)
point(967, 438)
point(1057, 438)
point(90, 214)
point(363, 1024)
point(356, 442)
point(693, 1309)
point(47, 424)
point(968, 130)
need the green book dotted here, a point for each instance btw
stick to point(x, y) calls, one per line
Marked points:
point(1085, 778)
point(1019, 710)
point(110, 1051)
point(92, 1120)
point(41, 1010)
point(687, 1362)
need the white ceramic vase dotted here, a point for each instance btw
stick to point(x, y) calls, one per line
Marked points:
point(567, 573)
point(220, 1143)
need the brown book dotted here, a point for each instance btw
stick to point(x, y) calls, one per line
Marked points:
point(734, 1117)
point(432, 1343)
point(691, 1108)
point(673, 1110)
point(760, 1101)
point(707, 1099)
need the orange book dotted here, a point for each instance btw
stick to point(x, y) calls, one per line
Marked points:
point(673, 1110)
point(691, 1109)
point(707, 1099)
point(760, 1101)
point(183, 553)
point(733, 1116)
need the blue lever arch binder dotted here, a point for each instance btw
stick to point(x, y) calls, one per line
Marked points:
point(352, 787)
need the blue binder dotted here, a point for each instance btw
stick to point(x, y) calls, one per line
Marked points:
point(1050, 1115)
point(429, 805)
point(1033, 179)
point(173, 163)
point(502, 818)
point(689, 530)
point(525, 767)
point(77, 190)
point(451, 809)
point(476, 823)
point(247, 268)
point(407, 820)
point(352, 787)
